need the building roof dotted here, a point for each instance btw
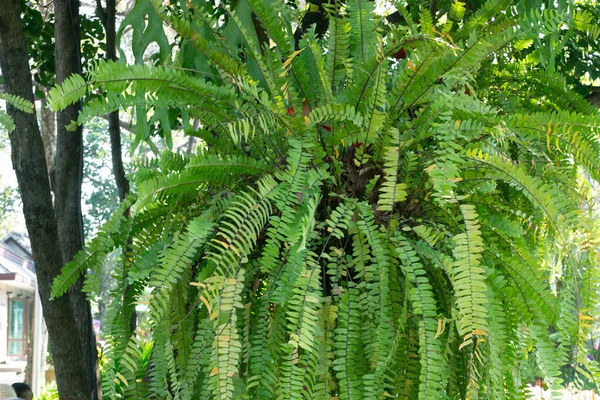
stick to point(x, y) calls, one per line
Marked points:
point(16, 263)
point(18, 244)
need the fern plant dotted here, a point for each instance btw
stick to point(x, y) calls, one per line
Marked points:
point(374, 212)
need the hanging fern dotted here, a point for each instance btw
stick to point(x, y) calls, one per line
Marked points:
point(383, 210)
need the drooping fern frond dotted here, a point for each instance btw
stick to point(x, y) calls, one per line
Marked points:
point(424, 306)
point(391, 191)
point(72, 89)
point(6, 121)
point(338, 66)
point(469, 278)
point(17, 102)
point(556, 208)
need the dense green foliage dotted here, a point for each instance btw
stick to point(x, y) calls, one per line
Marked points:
point(38, 26)
point(385, 211)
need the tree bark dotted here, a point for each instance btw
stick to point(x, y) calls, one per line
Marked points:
point(48, 130)
point(68, 178)
point(29, 163)
point(594, 98)
point(113, 118)
point(117, 157)
point(29, 366)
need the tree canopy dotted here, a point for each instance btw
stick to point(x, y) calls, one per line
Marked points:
point(396, 206)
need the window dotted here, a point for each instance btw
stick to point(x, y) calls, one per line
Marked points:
point(17, 328)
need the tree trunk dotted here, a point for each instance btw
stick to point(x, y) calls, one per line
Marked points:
point(29, 163)
point(113, 118)
point(29, 355)
point(48, 130)
point(68, 177)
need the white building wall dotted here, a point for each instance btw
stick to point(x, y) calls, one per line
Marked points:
point(4, 289)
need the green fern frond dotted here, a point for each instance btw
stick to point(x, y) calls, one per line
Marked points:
point(546, 357)
point(458, 10)
point(198, 371)
point(301, 312)
point(481, 17)
point(69, 92)
point(266, 75)
point(112, 234)
point(6, 121)
point(338, 66)
point(524, 269)
point(225, 357)
point(289, 195)
point(499, 348)
point(562, 132)
point(17, 102)
point(201, 171)
point(174, 261)
point(363, 34)
point(555, 206)
point(376, 114)
point(307, 68)
point(347, 343)
point(391, 191)
point(424, 306)
point(239, 229)
point(247, 126)
point(224, 61)
point(160, 362)
point(262, 378)
point(468, 279)
point(274, 20)
point(336, 112)
point(376, 289)
point(583, 21)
